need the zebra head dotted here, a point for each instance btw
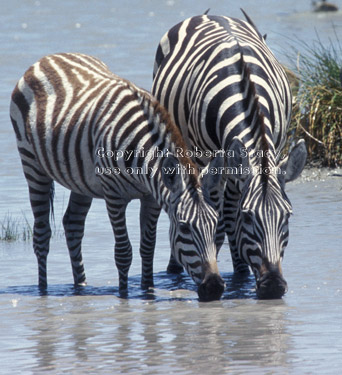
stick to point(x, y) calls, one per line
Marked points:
point(262, 221)
point(193, 225)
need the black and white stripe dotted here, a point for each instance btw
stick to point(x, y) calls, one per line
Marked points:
point(225, 90)
point(102, 137)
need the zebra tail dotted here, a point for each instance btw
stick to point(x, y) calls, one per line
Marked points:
point(51, 197)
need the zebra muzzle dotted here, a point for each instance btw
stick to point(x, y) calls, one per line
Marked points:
point(271, 285)
point(211, 288)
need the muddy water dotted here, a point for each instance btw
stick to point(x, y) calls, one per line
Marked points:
point(164, 330)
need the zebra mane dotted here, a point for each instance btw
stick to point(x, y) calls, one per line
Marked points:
point(149, 105)
point(258, 119)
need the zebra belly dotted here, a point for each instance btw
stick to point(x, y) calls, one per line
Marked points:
point(75, 175)
point(82, 175)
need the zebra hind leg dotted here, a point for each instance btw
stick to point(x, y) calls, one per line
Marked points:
point(149, 214)
point(73, 222)
point(40, 190)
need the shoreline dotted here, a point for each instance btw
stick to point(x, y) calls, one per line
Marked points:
point(311, 173)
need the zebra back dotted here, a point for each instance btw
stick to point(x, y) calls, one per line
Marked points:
point(203, 69)
point(63, 109)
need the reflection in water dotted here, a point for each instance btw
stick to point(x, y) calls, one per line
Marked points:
point(136, 336)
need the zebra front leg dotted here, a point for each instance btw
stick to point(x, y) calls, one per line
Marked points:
point(174, 267)
point(116, 208)
point(149, 214)
point(41, 195)
point(231, 201)
point(73, 222)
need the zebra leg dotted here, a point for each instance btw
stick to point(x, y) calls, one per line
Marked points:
point(41, 195)
point(220, 231)
point(231, 201)
point(73, 222)
point(149, 214)
point(116, 208)
point(174, 267)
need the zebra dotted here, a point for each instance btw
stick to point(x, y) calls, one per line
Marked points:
point(100, 136)
point(225, 90)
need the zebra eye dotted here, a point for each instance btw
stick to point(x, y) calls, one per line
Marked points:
point(185, 228)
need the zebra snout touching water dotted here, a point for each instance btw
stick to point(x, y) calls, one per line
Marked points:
point(261, 230)
point(271, 284)
point(226, 91)
point(100, 136)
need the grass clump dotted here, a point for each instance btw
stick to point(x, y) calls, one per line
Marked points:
point(19, 229)
point(15, 229)
point(317, 107)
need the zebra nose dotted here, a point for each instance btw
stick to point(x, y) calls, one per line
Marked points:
point(211, 288)
point(271, 285)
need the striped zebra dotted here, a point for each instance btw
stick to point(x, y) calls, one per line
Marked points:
point(225, 90)
point(100, 136)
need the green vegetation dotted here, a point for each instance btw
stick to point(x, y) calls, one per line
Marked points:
point(15, 229)
point(317, 107)
point(19, 229)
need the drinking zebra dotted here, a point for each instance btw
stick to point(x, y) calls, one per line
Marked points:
point(102, 137)
point(225, 90)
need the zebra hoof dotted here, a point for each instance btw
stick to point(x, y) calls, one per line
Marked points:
point(146, 285)
point(43, 288)
point(174, 268)
point(123, 293)
point(212, 288)
point(81, 283)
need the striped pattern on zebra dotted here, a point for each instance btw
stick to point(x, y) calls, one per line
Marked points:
point(225, 90)
point(100, 136)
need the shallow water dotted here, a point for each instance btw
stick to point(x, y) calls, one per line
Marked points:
point(167, 329)
point(164, 330)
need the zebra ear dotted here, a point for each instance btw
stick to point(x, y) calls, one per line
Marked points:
point(292, 166)
point(170, 173)
point(238, 160)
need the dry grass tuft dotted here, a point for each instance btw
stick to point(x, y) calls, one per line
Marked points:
point(317, 107)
